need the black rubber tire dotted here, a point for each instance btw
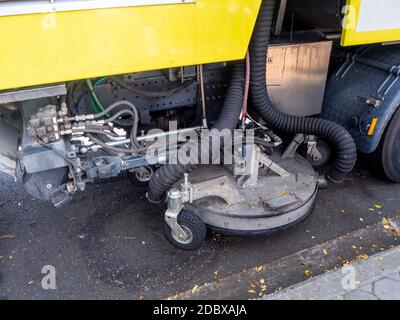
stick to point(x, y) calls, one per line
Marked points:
point(194, 224)
point(386, 157)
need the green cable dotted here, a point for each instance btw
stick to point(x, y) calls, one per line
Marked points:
point(96, 102)
point(100, 81)
point(94, 96)
point(94, 105)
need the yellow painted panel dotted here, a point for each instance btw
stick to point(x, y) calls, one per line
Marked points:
point(47, 48)
point(351, 36)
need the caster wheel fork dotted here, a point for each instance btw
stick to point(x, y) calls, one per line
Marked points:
point(182, 228)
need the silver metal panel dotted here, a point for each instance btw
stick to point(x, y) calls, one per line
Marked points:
point(296, 76)
point(11, 8)
point(11, 96)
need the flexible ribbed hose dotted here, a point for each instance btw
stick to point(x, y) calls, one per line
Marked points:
point(165, 177)
point(345, 148)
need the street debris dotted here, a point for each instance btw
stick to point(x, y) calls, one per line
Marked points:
point(258, 288)
point(195, 288)
point(259, 268)
point(7, 237)
point(307, 273)
point(388, 226)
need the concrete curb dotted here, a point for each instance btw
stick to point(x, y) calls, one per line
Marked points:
point(236, 286)
point(328, 286)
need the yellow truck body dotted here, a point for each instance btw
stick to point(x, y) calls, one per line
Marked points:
point(371, 21)
point(50, 47)
point(54, 47)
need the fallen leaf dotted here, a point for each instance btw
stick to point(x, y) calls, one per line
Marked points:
point(307, 273)
point(259, 269)
point(195, 288)
point(387, 225)
point(262, 281)
point(325, 252)
point(7, 237)
point(251, 291)
point(378, 206)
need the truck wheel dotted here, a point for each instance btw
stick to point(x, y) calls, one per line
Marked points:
point(194, 228)
point(387, 155)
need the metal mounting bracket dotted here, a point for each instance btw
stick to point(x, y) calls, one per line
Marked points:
point(255, 158)
point(175, 206)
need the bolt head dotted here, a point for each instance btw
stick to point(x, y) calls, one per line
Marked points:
point(173, 193)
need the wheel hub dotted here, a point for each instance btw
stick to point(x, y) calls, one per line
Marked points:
point(183, 239)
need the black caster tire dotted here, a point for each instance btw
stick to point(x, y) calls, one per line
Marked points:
point(386, 157)
point(193, 226)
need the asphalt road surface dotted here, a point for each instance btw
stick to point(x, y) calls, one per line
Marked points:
point(108, 242)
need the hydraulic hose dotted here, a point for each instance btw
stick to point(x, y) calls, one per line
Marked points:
point(165, 177)
point(346, 152)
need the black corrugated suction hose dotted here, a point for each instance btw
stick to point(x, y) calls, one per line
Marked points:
point(165, 177)
point(345, 148)
point(346, 153)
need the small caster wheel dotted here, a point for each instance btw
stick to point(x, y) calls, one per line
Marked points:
point(194, 228)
